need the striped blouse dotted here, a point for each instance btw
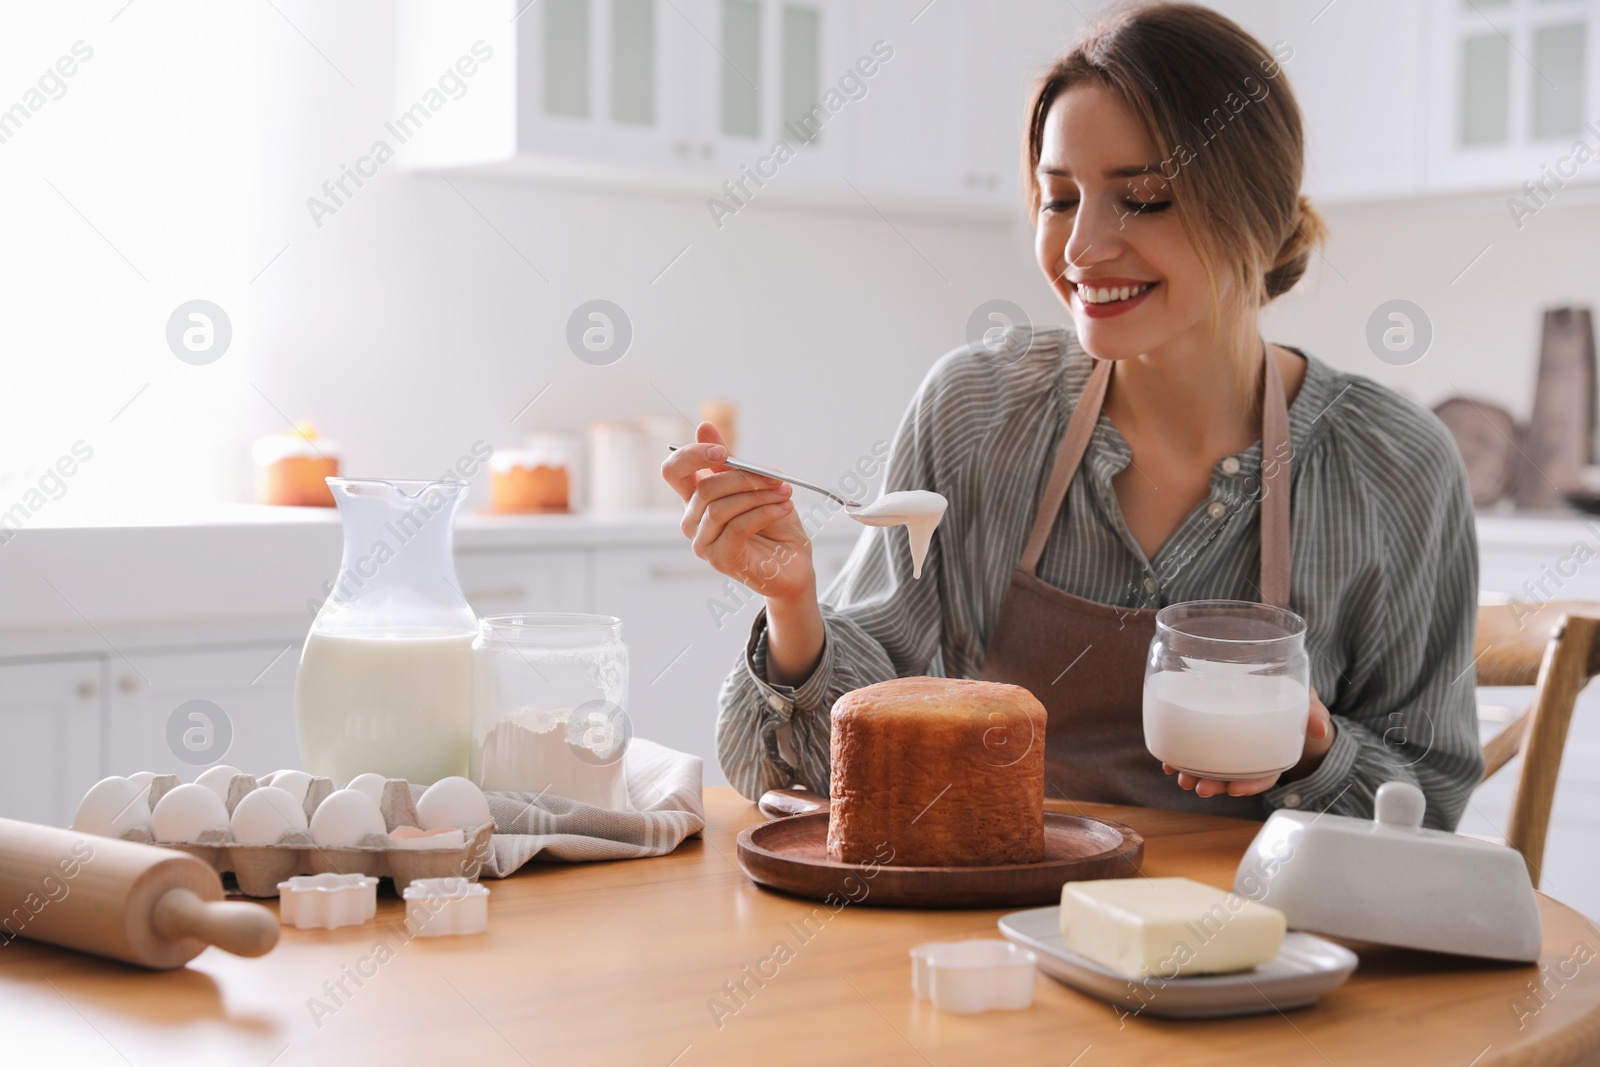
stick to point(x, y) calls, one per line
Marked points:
point(1383, 552)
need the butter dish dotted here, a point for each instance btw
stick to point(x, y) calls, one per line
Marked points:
point(1305, 968)
point(1392, 882)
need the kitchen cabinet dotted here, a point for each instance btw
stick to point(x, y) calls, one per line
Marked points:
point(1475, 94)
point(943, 119)
point(498, 582)
point(179, 711)
point(1510, 83)
point(52, 716)
point(921, 103)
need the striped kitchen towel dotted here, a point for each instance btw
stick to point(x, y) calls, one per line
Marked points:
point(663, 789)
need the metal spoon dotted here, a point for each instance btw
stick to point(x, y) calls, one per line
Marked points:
point(741, 465)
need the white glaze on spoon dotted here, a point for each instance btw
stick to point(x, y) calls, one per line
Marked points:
point(918, 510)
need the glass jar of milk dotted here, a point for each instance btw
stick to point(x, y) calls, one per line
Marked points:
point(549, 707)
point(1227, 689)
point(385, 682)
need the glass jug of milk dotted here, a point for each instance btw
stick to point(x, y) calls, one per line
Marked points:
point(1227, 689)
point(385, 681)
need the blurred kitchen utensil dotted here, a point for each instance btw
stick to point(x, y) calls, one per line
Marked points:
point(1490, 444)
point(1560, 432)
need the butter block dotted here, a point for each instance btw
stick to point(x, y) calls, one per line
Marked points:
point(1167, 927)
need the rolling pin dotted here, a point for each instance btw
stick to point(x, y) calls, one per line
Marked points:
point(146, 905)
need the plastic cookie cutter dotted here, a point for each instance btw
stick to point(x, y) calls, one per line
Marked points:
point(441, 907)
point(971, 976)
point(327, 901)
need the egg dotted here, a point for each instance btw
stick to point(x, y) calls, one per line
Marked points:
point(264, 815)
point(187, 811)
point(345, 818)
point(142, 779)
point(453, 802)
point(294, 783)
point(110, 807)
point(217, 779)
point(370, 784)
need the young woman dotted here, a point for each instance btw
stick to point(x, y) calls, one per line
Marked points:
point(1156, 451)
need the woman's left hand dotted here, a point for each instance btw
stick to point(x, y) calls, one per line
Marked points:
point(1319, 738)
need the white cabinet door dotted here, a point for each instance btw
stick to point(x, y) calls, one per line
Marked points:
point(497, 583)
point(51, 718)
point(686, 627)
point(178, 712)
point(682, 641)
point(1362, 133)
point(911, 122)
point(764, 71)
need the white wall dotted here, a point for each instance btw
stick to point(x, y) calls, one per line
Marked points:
point(408, 327)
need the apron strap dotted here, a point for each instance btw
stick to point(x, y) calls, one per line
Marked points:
point(1274, 476)
point(1079, 429)
point(1274, 489)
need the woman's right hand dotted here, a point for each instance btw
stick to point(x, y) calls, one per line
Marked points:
point(743, 524)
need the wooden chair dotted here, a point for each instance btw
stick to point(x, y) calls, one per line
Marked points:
point(1554, 647)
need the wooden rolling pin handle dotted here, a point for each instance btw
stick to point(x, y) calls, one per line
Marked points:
point(236, 927)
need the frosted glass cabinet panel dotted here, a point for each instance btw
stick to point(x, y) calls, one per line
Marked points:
point(741, 68)
point(1558, 54)
point(1485, 90)
point(633, 62)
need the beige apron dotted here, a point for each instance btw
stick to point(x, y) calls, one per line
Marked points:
point(1085, 660)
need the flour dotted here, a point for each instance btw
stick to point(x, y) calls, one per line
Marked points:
point(543, 751)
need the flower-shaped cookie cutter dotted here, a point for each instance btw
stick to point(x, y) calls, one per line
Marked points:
point(971, 976)
point(441, 907)
point(327, 901)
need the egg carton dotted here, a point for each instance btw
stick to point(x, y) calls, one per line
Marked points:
point(259, 868)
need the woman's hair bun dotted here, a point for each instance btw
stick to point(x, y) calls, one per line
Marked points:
point(1307, 230)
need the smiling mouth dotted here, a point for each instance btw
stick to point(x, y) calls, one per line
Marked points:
point(1095, 295)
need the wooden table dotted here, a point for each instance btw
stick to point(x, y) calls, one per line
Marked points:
point(625, 963)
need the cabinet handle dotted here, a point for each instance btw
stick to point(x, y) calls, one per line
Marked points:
point(88, 690)
point(681, 148)
point(707, 149)
point(504, 592)
point(127, 684)
point(670, 574)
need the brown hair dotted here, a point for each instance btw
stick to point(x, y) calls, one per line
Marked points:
point(1218, 108)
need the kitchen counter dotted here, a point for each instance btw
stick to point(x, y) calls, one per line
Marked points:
point(628, 962)
point(242, 573)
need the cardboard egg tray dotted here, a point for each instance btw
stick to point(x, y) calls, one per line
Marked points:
point(259, 868)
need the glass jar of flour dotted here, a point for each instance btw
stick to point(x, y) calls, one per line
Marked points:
point(550, 693)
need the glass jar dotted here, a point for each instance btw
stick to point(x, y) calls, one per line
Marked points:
point(550, 693)
point(1227, 689)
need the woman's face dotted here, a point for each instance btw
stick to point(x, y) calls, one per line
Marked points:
point(1107, 221)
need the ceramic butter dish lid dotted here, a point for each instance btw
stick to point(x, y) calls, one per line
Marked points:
point(1392, 882)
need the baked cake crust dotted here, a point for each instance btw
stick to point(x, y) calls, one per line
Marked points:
point(948, 772)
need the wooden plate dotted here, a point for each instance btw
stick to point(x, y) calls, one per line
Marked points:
point(791, 855)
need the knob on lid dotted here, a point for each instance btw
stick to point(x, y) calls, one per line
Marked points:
point(1400, 806)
